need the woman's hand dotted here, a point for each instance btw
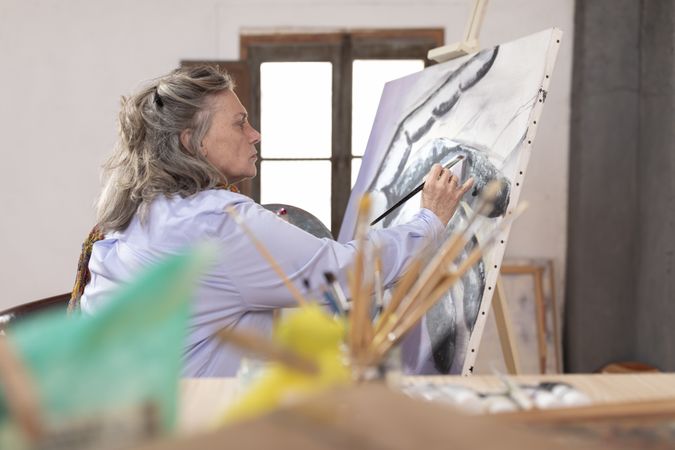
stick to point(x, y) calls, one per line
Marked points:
point(441, 193)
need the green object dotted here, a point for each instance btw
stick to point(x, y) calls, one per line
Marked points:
point(128, 355)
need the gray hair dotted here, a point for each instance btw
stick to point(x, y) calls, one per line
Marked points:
point(149, 159)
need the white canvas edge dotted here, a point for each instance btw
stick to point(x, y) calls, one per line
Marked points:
point(502, 240)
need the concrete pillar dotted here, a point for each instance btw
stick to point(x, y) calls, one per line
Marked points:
point(621, 245)
point(656, 174)
point(603, 198)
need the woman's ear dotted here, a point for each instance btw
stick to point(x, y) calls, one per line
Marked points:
point(185, 137)
point(186, 140)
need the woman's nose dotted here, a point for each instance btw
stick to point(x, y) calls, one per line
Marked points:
point(254, 136)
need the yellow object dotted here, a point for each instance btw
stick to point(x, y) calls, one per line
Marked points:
point(312, 333)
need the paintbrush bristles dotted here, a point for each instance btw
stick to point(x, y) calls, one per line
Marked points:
point(268, 257)
point(429, 277)
point(459, 240)
point(477, 253)
point(437, 277)
point(400, 291)
point(489, 194)
point(453, 246)
point(359, 319)
point(422, 303)
point(377, 279)
point(415, 314)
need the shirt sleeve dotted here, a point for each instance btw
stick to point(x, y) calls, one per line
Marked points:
point(303, 256)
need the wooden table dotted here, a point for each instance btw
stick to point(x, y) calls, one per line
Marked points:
point(202, 400)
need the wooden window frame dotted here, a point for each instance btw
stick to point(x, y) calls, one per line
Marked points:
point(340, 48)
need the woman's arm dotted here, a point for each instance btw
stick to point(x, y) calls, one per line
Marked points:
point(303, 256)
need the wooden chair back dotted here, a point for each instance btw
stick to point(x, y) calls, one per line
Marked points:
point(19, 312)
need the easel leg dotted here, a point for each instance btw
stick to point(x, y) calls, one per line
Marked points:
point(540, 311)
point(503, 320)
point(556, 329)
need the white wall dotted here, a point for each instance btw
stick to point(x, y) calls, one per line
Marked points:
point(66, 63)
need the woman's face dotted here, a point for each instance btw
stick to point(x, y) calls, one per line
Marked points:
point(230, 142)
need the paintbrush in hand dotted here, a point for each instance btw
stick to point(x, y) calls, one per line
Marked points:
point(412, 193)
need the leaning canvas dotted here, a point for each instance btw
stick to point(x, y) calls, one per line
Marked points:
point(486, 107)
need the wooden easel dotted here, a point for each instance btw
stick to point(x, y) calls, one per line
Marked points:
point(505, 329)
point(469, 44)
point(536, 270)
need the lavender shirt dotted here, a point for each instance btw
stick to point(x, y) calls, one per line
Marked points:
point(240, 290)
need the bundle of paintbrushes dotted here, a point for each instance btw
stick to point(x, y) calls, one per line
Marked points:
point(373, 326)
point(419, 288)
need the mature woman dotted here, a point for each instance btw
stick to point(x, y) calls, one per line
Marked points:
point(184, 142)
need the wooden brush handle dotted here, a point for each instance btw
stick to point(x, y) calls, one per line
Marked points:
point(22, 398)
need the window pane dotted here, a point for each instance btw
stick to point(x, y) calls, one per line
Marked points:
point(296, 109)
point(305, 184)
point(368, 79)
point(356, 166)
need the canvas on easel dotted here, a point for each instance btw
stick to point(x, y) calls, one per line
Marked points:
point(485, 107)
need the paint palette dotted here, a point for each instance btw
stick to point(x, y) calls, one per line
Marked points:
point(300, 218)
point(545, 395)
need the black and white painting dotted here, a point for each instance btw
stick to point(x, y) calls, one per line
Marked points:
point(484, 106)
